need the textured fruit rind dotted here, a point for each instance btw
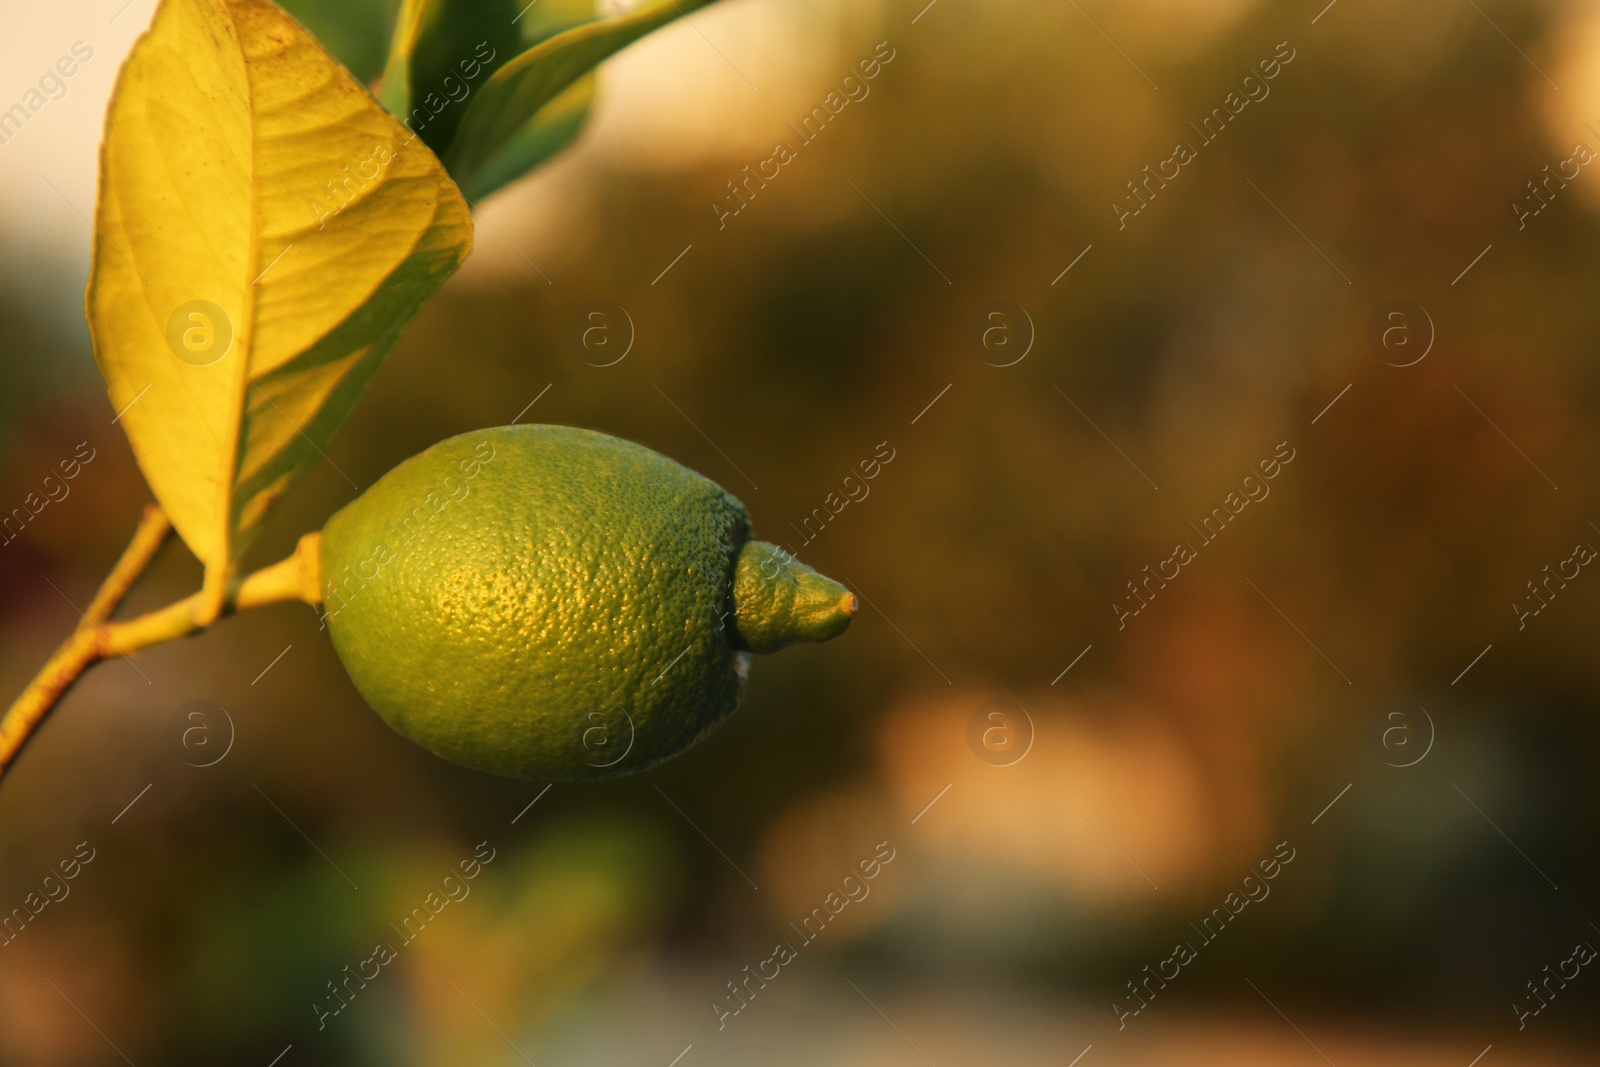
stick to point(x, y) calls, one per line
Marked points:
point(539, 601)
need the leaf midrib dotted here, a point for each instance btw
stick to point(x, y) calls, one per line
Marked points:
point(220, 567)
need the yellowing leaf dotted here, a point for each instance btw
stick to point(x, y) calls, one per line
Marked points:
point(264, 231)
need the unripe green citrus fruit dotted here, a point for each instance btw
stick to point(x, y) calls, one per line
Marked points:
point(549, 602)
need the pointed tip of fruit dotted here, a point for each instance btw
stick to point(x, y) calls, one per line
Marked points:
point(779, 601)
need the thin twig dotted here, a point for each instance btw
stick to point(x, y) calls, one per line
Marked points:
point(87, 643)
point(97, 638)
point(152, 532)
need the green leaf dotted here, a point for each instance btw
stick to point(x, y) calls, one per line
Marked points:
point(355, 32)
point(264, 231)
point(442, 52)
point(445, 51)
point(552, 128)
point(503, 132)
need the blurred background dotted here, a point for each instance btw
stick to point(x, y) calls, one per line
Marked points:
point(1069, 775)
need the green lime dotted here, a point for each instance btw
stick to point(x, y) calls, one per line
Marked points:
point(549, 602)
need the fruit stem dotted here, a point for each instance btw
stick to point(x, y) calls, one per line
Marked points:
point(97, 638)
point(295, 578)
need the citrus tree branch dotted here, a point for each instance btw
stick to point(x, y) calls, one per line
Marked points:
point(152, 532)
point(96, 637)
point(84, 646)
